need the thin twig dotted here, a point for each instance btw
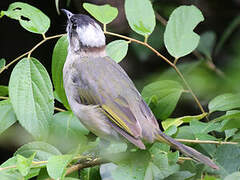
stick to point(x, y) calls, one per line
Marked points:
point(99, 161)
point(189, 88)
point(160, 18)
point(34, 163)
point(204, 141)
point(59, 109)
point(94, 162)
point(7, 167)
point(13, 61)
point(166, 60)
point(4, 98)
point(184, 159)
point(30, 51)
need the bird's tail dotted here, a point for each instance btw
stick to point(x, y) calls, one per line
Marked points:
point(188, 151)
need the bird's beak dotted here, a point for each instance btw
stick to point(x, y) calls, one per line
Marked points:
point(68, 13)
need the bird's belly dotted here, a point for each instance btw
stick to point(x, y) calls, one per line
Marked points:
point(96, 121)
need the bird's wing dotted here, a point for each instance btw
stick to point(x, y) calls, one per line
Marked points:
point(103, 82)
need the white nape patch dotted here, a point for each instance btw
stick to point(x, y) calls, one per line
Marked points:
point(91, 35)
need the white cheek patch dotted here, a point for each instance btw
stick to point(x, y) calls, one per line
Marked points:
point(91, 35)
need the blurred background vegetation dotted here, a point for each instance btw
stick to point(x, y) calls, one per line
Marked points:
point(212, 70)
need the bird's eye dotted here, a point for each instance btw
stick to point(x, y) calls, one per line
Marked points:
point(74, 25)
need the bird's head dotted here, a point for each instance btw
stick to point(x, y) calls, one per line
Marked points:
point(83, 32)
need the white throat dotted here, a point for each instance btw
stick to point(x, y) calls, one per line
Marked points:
point(91, 35)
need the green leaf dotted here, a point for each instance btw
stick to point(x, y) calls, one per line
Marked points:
point(197, 169)
point(229, 133)
point(231, 120)
point(67, 126)
point(207, 177)
point(140, 16)
point(23, 164)
point(233, 176)
point(130, 168)
point(106, 171)
point(202, 127)
point(69, 121)
point(164, 161)
point(185, 132)
point(180, 175)
point(156, 163)
point(31, 94)
point(43, 175)
point(30, 18)
point(90, 173)
point(206, 44)
point(171, 130)
point(155, 40)
point(105, 13)
point(115, 147)
point(178, 121)
point(224, 102)
point(3, 90)
point(2, 63)
point(228, 158)
point(226, 34)
point(56, 165)
point(7, 115)
point(117, 50)
point(10, 176)
point(166, 94)
point(179, 37)
point(56, 96)
point(43, 150)
point(58, 60)
point(12, 173)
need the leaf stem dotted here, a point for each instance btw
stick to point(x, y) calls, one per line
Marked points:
point(104, 27)
point(146, 39)
point(44, 36)
point(175, 61)
point(189, 88)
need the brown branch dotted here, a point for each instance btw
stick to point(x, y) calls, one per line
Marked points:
point(160, 18)
point(59, 109)
point(166, 60)
point(28, 53)
point(87, 164)
point(99, 161)
point(4, 98)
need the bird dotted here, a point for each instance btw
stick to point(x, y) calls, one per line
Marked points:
point(103, 97)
